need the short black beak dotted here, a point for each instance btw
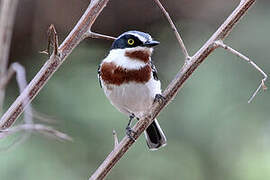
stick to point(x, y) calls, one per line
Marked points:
point(150, 43)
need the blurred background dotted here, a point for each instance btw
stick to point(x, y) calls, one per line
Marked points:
point(213, 133)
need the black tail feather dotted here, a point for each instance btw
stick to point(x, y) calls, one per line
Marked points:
point(155, 137)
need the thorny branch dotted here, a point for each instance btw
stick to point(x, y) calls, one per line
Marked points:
point(173, 88)
point(53, 63)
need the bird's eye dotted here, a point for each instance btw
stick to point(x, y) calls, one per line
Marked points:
point(130, 41)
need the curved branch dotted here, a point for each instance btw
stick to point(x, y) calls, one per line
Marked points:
point(173, 88)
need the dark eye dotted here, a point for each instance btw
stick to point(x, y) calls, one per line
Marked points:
point(130, 41)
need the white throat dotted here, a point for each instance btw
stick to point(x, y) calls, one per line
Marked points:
point(117, 56)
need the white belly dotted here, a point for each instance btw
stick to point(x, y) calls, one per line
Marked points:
point(133, 97)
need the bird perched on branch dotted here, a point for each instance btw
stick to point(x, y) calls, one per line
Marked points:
point(130, 81)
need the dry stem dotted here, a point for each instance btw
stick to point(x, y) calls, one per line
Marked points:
point(99, 36)
point(40, 128)
point(7, 16)
point(178, 37)
point(172, 89)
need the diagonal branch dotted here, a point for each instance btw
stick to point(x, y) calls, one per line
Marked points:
point(53, 63)
point(7, 17)
point(173, 88)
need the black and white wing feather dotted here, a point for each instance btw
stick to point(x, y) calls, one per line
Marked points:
point(99, 74)
point(154, 71)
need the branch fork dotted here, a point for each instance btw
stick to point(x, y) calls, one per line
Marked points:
point(219, 43)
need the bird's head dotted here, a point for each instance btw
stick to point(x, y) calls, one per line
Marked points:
point(135, 45)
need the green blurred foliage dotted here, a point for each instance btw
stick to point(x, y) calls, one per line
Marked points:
point(213, 133)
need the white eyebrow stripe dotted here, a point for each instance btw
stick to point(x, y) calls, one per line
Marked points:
point(141, 38)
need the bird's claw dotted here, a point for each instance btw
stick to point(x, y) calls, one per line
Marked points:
point(159, 98)
point(130, 133)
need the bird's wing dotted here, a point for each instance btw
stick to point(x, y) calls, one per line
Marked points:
point(99, 72)
point(154, 71)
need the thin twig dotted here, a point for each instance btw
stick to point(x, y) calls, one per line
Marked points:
point(178, 37)
point(115, 138)
point(262, 85)
point(53, 63)
point(173, 88)
point(98, 36)
point(43, 117)
point(7, 16)
point(40, 128)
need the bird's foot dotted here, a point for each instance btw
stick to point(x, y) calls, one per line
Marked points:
point(159, 98)
point(129, 132)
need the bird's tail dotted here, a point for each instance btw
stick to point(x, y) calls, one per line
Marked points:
point(155, 137)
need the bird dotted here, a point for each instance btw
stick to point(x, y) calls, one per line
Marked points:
point(130, 82)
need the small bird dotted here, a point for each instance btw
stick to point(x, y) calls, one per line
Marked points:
point(129, 80)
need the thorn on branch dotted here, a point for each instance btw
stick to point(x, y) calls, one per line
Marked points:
point(262, 85)
point(115, 138)
point(52, 41)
